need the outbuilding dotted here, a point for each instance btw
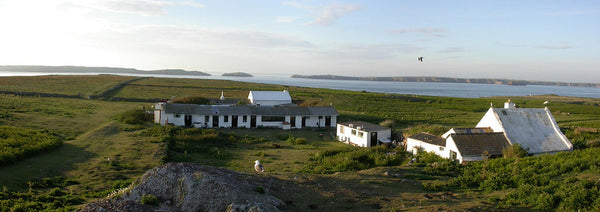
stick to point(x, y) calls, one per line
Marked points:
point(363, 134)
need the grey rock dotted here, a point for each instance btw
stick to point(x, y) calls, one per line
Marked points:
point(193, 187)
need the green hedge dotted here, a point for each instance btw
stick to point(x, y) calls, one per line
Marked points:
point(18, 143)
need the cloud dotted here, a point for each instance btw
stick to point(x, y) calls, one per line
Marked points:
point(437, 32)
point(557, 47)
point(138, 7)
point(326, 15)
point(285, 19)
point(331, 13)
point(551, 47)
point(371, 51)
point(193, 37)
point(452, 50)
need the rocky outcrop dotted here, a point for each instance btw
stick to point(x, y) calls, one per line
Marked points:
point(193, 187)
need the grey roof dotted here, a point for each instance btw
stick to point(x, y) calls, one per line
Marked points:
point(328, 111)
point(278, 110)
point(429, 138)
point(476, 144)
point(187, 109)
point(271, 95)
point(365, 126)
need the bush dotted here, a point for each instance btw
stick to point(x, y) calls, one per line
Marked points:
point(192, 100)
point(514, 151)
point(296, 141)
point(150, 199)
point(134, 116)
point(18, 143)
point(388, 123)
point(353, 159)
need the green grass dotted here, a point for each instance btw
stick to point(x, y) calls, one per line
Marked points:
point(91, 136)
point(68, 85)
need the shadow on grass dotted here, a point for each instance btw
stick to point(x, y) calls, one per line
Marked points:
point(55, 163)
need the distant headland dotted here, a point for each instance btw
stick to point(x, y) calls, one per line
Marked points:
point(448, 80)
point(237, 74)
point(97, 70)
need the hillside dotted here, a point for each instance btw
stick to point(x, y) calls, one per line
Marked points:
point(97, 70)
point(109, 142)
point(448, 80)
point(237, 74)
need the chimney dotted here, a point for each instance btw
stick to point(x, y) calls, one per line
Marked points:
point(509, 105)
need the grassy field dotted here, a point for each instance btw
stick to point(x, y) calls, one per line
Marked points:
point(91, 136)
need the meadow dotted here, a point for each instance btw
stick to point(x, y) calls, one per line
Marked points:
point(104, 147)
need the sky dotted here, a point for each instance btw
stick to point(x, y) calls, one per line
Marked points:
point(529, 40)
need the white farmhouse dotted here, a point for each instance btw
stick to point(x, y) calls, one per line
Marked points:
point(475, 146)
point(533, 128)
point(426, 142)
point(244, 116)
point(269, 98)
point(363, 134)
point(468, 145)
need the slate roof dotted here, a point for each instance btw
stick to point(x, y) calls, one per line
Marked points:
point(429, 138)
point(278, 110)
point(270, 95)
point(476, 144)
point(365, 126)
point(533, 128)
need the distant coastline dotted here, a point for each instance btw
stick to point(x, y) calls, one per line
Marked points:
point(237, 74)
point(98, 70)
point(448, 80)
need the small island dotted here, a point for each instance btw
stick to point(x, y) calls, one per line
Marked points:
point(237, 74)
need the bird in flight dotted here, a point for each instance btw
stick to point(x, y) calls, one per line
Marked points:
point(258, 167)
point(420, 59)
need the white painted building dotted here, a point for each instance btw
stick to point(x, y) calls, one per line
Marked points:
point(363, 134)
point(244, 116)
point(426, 142)
point(269, 98)
point(533, 128)
point(462, 147)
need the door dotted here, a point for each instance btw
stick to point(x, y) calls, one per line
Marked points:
point(327, 121)
point(293, 121)
point(234, 121)
point(188, 120)
point(252, 121)
point(304, 121)
point(215, 121)
point(374, 139)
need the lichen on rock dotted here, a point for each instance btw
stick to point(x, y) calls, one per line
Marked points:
point(193, 187)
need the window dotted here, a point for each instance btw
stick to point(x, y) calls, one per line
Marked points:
point(177, 116)
point(342, 129)
point(205, 118)
point(353, 132)
point(273, 118)
point(244, 118)
point(225, 118)
point(441, 148)
point(360, 134)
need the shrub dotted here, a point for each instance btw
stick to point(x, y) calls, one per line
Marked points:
point(514, 151)
point(353, 159)
point(192, 100)
point(18, 143)
point(388, 123)
point(133, 116)
point(150, 199)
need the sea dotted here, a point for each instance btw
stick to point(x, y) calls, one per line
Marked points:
point(466, 90)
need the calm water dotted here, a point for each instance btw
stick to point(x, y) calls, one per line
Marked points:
point(425, 88)
point(417, 88)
